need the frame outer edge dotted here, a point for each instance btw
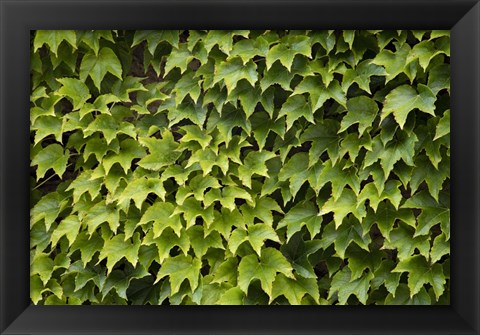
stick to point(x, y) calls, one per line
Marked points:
point(2, 171)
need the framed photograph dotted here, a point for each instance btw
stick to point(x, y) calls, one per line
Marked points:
point(229, 167)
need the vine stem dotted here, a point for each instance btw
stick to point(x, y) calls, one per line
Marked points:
point(53, 175)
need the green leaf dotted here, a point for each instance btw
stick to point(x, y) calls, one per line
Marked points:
point(51, 157)
point(350, 231)
point(162, 152)
point(233, 71)
point(264, 269)
point(403, 99)
point(161, 215)
point(155, 37)
point(254, 163)
point(433, 213)
point(138, 190)
point(401, 148)
point(345, 287)
point(386, 215)
point(361, 110)
point(420, 272)
point(286, 52)
point(443, 126)
point(440, 248)
point(117, 248)
point(85, 183)
point(233, 296)
point(439, 78)
point(294, 108)
point(201, 242)
point(101, 213)
point(75, 90)
point(178, 269)
point(97, 66)
point(69, 227)
point(295, 289)
point(304, 214)
point(393, 62)
point(53, 38)
point(344, 205)
point(403, 240)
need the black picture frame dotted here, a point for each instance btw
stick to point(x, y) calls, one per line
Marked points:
point(18, 17)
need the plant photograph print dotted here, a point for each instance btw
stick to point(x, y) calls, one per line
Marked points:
point(242, 167)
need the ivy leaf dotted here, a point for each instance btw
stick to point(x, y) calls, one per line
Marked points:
point(155, 37)
point(97, 66)
point(386, 215)
point(424, 52)
point(319, 92)
point(343, 236)
point(403, 240)
point(88, 246)
point(263, 125)
point(439, 78)
point(294, 108)
point(361, 110)
point(393, 62)
point(117, 248)
point(390, 192)
point(344, 205)
point(262, 210)
point(233, 296)
point(187, 85)
point(166, 241)
point(162, 152)
point(69, 227)
point(443, 126)
point(53, 38)
point(402, 148)
point(84, 183)
point(298, 251)
point(107, 125)
point(345, 287)
point(420, 272)
point(42, 265)
point(249, 48)
point(286, 52)
point(304, 214)
point(129, 150)
point(161, 213)
point(403, 99)
point(92, 38)
point(255, 235)
point(324, 137)
point(362, 75)
point(339, 178)
point(201, 242)
point(433, 212)
point(101, 213)
point(179, 269)
point(194, 133)
point(75, 90)
point(295, 289)
point(295, 171)
point(276, 74)
point(138, 190)
point(254, 163)
point(265, 269)
point(440, 248)
point(51, 157)
point(233, 71)
point(191, 209)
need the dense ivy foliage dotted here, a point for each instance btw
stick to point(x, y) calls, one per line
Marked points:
point(240, 167)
